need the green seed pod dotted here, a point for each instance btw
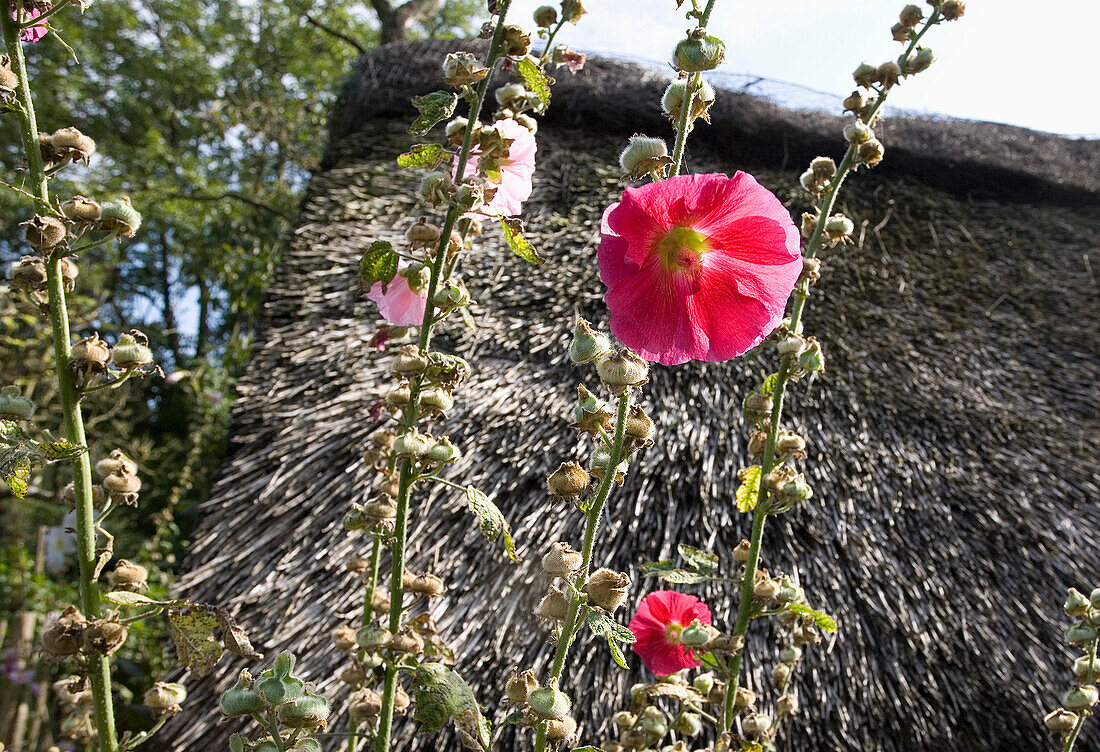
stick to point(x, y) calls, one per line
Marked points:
point(311, 710)
point(864, 75)
point(1081, 698)
point(696, 54)
point(696, 635)
point(549, 703)
point(689, 724)
point(642, 156)
point(1080, 634)
point(165, 696)
point(756, 724)
point(703, 683)
point(130, 353)
point(1076, 604)
point(373, 638)
point(1085, 669)
point(545, 16)
point(622, 369)
point(119, 218)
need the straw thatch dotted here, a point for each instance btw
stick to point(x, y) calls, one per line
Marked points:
point(952, 438)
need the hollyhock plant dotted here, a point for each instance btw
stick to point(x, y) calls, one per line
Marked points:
point(661, 617)
point(400, 304)
point(697, 267)
point(31, 33)
point(515, 171)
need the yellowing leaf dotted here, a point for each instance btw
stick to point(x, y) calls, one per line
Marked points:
point(513, 236)
point(193, 633)
point(749, 489)
point(536, 81)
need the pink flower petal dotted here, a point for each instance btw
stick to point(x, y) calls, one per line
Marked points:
point(400, 305)
point(655, 614)
point(515, 173)
point(31, 34)
point(721, 301)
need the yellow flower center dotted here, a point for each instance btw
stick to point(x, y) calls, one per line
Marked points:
point(681, 250)
point(672, 632)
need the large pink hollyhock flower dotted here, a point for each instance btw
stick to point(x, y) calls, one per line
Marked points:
point(399, 304)
point(515, 172)
point(697, 267)
point(661, 617)
point(31, 33)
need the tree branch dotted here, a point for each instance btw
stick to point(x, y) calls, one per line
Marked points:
point(333, 32)
point(233, 195)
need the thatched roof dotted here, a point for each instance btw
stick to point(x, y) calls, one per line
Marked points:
point(952, 438)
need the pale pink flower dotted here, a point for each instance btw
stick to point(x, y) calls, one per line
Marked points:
point(515, 171)
point(570, 58)
point(399, 304)
point(31, 33)
point(661, 617)
point(697, 267)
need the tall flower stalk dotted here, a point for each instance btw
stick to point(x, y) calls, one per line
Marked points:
point(99, 668)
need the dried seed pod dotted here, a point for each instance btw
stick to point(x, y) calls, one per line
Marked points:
point(81, 209)
point(343, 637)
point(639, 427)
point(28, 274)
point(72, 691)
point(569, 481)
point(128, 576)
point(65, 635)
point(365, 705)
point(561, 560)
point(104, 636)
point(553, 605)
point(74, 144)
point(165, 697)
point(45, 233)
point(113, 462)
point(607, 589)
point(122, 486)
point(520, 686)
point(69, 273)
point(407, 641)
point(90, 354)
point(8, 80)
point(423, 584)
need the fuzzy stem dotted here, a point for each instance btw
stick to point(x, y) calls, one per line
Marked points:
point(412, 412)
point(545, 56)
point(595, 512)
point(802, 293)
point(683, 127)
point(1071, 738)
point(99, 668)
point(704, 19)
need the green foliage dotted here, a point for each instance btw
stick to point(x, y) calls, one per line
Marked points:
point(536, 81)
point(493, 524)
point(20, 454)
point(699, 566)
point(439, 105)
point(442, 695)
point(602, 624)
point(825, 622)
point(749, 490)
point(423, 155)
point(517, 243)
point(379, 264)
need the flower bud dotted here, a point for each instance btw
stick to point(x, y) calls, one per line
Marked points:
point(516, 43)
point(13, 405)
point(1081, 698)
point(741, 552)
point(607, 589)
point(791, 654)
point(28, 274)
point(1080, 634)
point(549, 703)
point(918, 61)
point(781, 674)
point(622, 369)
point(569, 481)
point(435, 401)
point(242, 699)
point(520, 686)
point(854, 103)
point(644, 156)
point(870, 152)
point(756, 724)
point(788, 592)
point(697, 634)
point(1060, 721)
point(90, 354)
point(699, 52)
point(858, 132)
point(365, 705)
point(572, 10)
point(838, 228)
point(1076, 605)
point(65, 635)
point(119, 218)
point(452, 294)
point(104, 636)
point(561, 729)
point(888, 73)
point(443, 452)
point(343, 637)
point(653, 722)
point(545, 16)
point(165, 697)
point(561, 560)
point(703, 683)
point(128, 576)
point(588, 344)
point(865, 75)
point(463, 69)
point(436, 188)
point(424, 584)
point(130, 352)
point(553, 605)
point(308, 711)
point(45, 233)
point(953, 10)
point(676, 93)
point(413, 444)
point(1086, 669)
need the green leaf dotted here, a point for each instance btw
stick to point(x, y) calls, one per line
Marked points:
point(423, 155)
point(125, 598)
point(587, 748)
point(536, 81)
point(825, 622)
point(681, 576)
point(433, 107)
point(493, 524)
point(15, 469)
point(513, 236)
point(12, 433)
point(234, 638)
point(653, 567)
point(53, 451)
point(379, 264)
point(617, 653)
point(768, 387)
point(703, 562)
point(749, 490)
point(441, 694)
point(193, 632)
point(514, 717)
point(602, 624)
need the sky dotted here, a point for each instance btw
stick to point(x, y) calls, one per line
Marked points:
point(1011, 61)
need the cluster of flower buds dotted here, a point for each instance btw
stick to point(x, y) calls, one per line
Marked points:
point(71, 634)
point(92, 356)
point(299, 711)
point(702, 97)
point(536, 704)
point(1081, 700)
point(647, 724)
point(118, 478)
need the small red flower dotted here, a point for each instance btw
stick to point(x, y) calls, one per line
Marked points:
point(36, 31)
point(661, 617)
point(697, 267)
